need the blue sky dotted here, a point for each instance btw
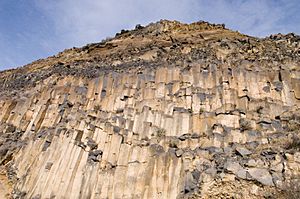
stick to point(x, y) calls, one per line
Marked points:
point(34, 29)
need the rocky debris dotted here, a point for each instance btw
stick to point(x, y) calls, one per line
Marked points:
point(9, 142)
point(243, 151)
point(169, 110)
point(236, 169)
point(179, 152)
point(48, 165)
point(16, 194)
point(94, 156)
point(92, 144)
point(46, 145)
point(261, 175)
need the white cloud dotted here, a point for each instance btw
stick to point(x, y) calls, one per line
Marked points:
point(71, 23)
point(81, 21)
point(255, 17)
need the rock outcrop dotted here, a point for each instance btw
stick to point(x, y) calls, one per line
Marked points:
point(169, 110)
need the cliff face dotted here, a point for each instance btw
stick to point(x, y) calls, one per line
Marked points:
point(169, 110)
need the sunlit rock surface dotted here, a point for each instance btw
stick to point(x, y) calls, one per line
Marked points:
point(169, 110)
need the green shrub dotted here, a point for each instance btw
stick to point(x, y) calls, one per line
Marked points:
point(97, 107)
point(293, 144)
point(202, 110)
point(244, 124)
point(161, 132)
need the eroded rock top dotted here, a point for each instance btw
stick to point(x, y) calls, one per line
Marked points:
point(168, 43)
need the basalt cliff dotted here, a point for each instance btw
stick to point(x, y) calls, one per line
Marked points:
point(168, 110)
